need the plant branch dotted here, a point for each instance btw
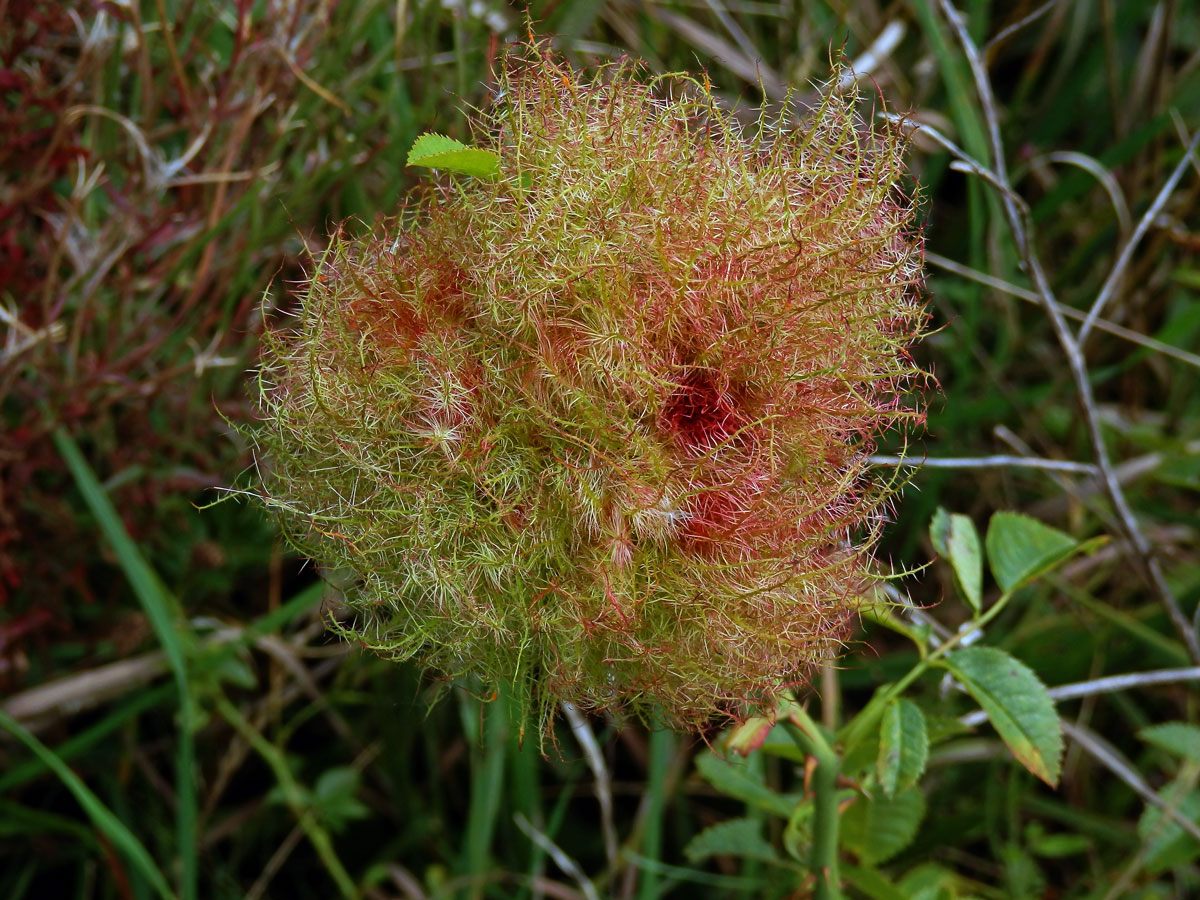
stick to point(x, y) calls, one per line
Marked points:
point(293, 796)
point(1016, 213)
point(1109, 757)
point(561, 859)
point(1117, 274)
point(986, 462)
point(595, 761)
point(1005, 33)
point(1107, 685)
point(867, 719)
point(824, 861)
point(1127, 334)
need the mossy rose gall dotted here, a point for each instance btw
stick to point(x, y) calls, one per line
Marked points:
point(600, 425)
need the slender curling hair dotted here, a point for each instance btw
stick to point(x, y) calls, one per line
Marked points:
point(600, 427)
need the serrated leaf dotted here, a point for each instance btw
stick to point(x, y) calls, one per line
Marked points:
point(1017, 704)
point(862, 757)
point(333, 797)
point(1019, 549)
point(870, 882)
point(736, 837)
point(878, 828)
point(1180, 471)
point(1177, 738)
point(860, 750)
point(735, 778)
point(929, 881)
point(955, 538)
point(436, 151)
point(903, 746)
point(941, 727)
point(1165, 842)
point(1058, 846)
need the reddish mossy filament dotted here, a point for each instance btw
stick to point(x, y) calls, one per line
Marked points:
point(651, 475)
point(702, 411)
point(714, 517)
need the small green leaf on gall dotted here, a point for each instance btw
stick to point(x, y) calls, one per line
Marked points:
point(436, 151)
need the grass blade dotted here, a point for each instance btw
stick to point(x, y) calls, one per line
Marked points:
point(84, 741)
point(661, 755)
point(124, 840)
point(160, 609)
point(487, 785)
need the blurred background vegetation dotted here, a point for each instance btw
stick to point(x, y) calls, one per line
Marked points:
point(166, 167)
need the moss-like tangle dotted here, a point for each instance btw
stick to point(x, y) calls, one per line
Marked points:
point(600, 427)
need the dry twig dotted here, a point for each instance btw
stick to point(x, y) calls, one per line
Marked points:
point(1016, 213)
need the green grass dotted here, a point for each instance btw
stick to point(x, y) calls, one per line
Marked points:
point(106, 822)
point(272, 760)
point(171, 630)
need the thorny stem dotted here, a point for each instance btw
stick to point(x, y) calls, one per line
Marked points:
point(824, 859)
point(1017, 222)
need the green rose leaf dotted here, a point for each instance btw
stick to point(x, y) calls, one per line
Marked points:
point(735, 778)
point(1166, 844)
point(436, 151)
point(878, 828)
point(736, 837)
point(1177, 738)
point(955, 538)
point(903, 746)
point(1019, 549)
point(1017, 704)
